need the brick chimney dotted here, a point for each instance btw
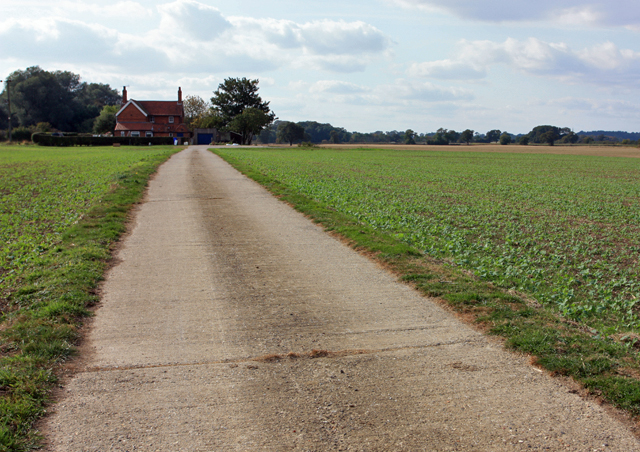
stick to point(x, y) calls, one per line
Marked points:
point(124, 95)
point(179, 95)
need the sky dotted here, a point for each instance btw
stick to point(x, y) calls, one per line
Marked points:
point(364, 65)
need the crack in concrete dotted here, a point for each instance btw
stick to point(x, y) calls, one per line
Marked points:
point(275, 357)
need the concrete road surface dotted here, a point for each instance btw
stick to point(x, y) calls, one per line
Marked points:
point(232, 323)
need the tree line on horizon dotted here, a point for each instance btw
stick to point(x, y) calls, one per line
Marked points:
point(315, 132)
point(43, 101)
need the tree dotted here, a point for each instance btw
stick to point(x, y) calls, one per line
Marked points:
point(451, 136)
point(466, 136)
point(335, 137)
point(438, 138)
point(409, 137)
point(249, 123)
point(59, 98)
point(289, 132)
point(543, 134)
point(235, 95)
point(106, 121)
point(549, 137)
point(505, 138)
point(493, 135)
point(524, 140)
point(98, 95)
point(195, 109)
point(570, 138)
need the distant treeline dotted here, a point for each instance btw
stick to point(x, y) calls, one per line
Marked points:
point(606, 135)
point(315, 132)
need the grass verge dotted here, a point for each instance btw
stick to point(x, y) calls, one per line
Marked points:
point(48, 302)
point(606, 367)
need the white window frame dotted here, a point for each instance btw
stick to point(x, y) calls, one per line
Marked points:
point(135, 134)
point(123, 133)
point(170, 119)
point(148, 134)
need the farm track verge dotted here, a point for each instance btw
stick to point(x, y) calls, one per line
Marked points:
point(606, 365)
point(49, 294)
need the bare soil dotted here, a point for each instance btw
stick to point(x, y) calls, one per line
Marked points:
point(231, 322)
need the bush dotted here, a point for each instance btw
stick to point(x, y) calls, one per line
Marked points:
point(306, 144)
point(43, 127)
point(524, 140)
point(437, 141)
point(46, 139)
point(21, 134)
point(505, 138)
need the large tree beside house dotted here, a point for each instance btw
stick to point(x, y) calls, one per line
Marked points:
point(59, 98)
point(237, 107)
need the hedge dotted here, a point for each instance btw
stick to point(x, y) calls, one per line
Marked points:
point(46, 139)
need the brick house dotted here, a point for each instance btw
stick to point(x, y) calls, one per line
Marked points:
point(151, 118)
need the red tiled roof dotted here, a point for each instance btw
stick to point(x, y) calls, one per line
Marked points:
point(160, 107)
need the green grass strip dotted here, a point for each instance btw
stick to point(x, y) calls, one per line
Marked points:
point(49, 300)
point(607, 368)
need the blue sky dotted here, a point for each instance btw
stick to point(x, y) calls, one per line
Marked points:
point(363, 65)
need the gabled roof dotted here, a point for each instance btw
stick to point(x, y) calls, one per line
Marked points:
point(161, 107)
point(134, 103)
point(156, 107)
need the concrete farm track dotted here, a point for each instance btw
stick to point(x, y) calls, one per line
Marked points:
point(233, 323)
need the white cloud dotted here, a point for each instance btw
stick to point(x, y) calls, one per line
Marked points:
point(562, 12)
point(409, 90)
point(334, 46)
point(595, 107)
point(447, 70)
point(603, 64)
point(194, 35)
point(188, 19)
point(337, 87)
point(400, 92)
point(120, 9)
point(342, 38)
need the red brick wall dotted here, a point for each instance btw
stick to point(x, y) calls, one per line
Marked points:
point(165, 120)
point(131, 113)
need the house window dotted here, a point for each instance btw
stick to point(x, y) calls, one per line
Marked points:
point(122, 134)
point(170, 134)
point(170, 119)
point(135, 134)
point(148, 134)
point(152, 119)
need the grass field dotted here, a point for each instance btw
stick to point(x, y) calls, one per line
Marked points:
point(61, 209)
point(542, 249)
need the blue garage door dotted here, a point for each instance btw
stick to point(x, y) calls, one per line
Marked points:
point(205, 138)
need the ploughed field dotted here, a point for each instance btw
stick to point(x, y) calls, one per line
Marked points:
point(562, 229)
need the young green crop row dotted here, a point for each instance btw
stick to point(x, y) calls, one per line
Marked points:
point(43, 192)
point(564, 229)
